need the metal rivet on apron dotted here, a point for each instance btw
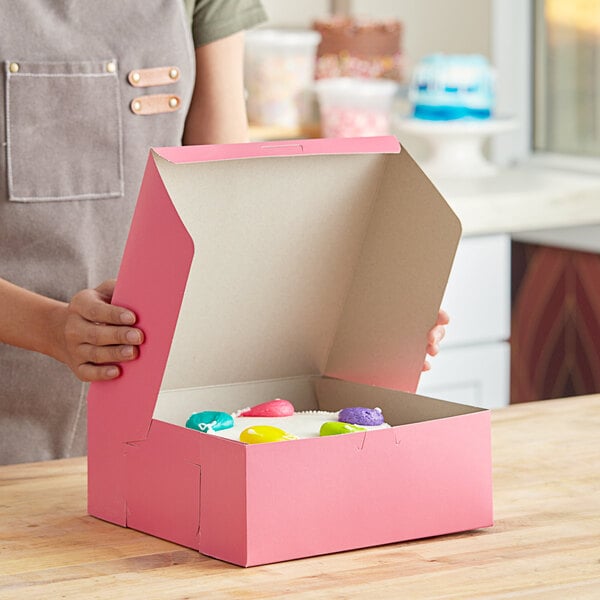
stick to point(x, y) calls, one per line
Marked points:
point(174, 73)
point(14, 67)
point(155, 104)
point(111, 67)
point(135, 76)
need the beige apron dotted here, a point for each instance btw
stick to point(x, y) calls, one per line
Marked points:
point(75, 145)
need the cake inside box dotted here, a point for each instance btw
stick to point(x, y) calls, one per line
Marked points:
point(310, 393)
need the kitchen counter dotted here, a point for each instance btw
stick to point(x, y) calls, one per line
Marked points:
point(583, 238)
point(544, 543)
point(523, 198)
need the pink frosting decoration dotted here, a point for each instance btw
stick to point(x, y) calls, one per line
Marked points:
point(273, 408)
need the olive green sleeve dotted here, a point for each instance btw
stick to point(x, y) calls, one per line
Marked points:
point(215, 19)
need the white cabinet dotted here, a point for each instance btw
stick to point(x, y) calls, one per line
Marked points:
point(473, 366)
point(477, 375)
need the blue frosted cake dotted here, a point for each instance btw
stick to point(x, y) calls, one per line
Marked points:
point(450, 87)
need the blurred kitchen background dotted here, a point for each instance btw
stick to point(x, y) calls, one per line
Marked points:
point(499, 102)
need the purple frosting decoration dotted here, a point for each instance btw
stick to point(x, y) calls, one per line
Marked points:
point(358, 415)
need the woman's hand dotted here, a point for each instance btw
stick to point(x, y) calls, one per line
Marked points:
point(435, 336)
point(93, 335)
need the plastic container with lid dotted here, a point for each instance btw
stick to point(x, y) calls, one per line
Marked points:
point(355, 107)
point(279, 69)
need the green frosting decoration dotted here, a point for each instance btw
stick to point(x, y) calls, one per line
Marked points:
point(337, 427)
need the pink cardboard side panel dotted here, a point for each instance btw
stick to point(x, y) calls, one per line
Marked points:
point(223, 529)
point(358, 490)
point(163, 485)
point(106, 467)
point(189, 488)
point(151, 282)
point(363, 145)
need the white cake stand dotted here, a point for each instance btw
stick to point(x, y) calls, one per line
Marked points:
point(456, 147)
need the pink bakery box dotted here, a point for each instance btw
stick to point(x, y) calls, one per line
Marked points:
point(308, 270)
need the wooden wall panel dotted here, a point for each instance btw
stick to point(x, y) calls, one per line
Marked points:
point(555, 332)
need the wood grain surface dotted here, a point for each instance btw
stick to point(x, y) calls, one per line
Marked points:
point(545, 542)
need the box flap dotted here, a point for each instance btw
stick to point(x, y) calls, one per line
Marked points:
point(398, 283)
point(151, 282)
point(302, 264)
point(191, 154)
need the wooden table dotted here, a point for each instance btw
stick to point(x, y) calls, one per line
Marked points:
point(545, 543)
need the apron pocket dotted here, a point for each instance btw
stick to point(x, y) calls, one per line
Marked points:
point(63, 131)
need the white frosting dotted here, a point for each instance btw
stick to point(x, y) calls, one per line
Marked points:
point(305, 424)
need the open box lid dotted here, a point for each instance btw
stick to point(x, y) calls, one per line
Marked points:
point(262, 261)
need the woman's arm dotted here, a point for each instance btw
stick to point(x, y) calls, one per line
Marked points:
point(217, 114)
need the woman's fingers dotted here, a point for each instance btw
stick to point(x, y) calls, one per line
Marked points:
point(96, 334)
point(94, 307)
point(91, 372)
point(88, 353)
point(443, 318)
point(435, 336)
point(106, 289)
point(106, 335)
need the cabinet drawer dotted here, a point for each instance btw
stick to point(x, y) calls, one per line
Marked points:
point(474, 375)
point(477, 297)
